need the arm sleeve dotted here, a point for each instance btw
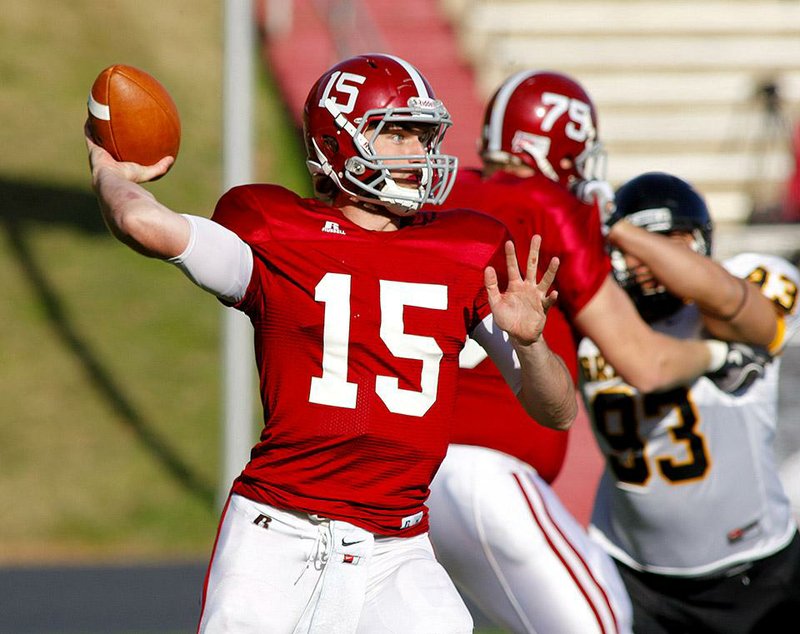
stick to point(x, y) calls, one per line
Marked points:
point(216, 259)
point(495, 342)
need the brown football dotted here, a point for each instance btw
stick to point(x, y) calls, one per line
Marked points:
point(133, 116)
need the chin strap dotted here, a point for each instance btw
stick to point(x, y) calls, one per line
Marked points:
point(391, 196)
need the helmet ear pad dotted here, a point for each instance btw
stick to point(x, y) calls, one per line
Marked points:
point(660, 203)
point(330, 144)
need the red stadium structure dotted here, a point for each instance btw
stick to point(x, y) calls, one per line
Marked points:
point(791, 202)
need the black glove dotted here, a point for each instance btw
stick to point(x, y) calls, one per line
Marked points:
point(743, 365)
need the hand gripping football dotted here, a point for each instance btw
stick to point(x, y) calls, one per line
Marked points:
point(132, 116)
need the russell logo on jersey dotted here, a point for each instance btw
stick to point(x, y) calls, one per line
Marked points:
point(333, 227)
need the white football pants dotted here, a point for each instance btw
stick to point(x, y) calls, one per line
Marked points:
point(512, 547)
point(282, 572)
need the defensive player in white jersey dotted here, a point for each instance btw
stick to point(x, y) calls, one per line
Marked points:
point(690, 504)
point(360, 304)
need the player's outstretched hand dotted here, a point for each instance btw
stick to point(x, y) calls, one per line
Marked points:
point(743, 365)
point(100, 159)
point(521, 310)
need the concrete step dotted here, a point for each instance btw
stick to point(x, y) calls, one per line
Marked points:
point(734, 180)
point(678, 87)
point(721, 131)
point(634, 53)
point(627, 17)
point(778, 239)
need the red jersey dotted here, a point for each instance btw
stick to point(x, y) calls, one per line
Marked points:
point(357, 338)
point(487, 412)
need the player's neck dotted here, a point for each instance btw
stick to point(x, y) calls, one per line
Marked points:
point(376, 219)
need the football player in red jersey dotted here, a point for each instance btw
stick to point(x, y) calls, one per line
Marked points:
point(361, 304)
point(496, 525)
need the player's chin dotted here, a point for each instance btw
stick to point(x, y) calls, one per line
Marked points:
point(401, 210)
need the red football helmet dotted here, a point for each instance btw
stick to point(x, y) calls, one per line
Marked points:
point(372, 91)
point(547, 121)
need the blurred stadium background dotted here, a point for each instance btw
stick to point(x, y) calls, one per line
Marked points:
point(110, 380)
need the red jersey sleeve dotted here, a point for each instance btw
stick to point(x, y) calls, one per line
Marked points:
point(571, 231)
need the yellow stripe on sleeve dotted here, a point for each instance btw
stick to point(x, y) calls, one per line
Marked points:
point(780, 332)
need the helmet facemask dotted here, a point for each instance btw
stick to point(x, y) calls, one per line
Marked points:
point(591, 164)
point(653, 301)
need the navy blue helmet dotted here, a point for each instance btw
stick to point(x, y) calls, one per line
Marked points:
point(661, 203)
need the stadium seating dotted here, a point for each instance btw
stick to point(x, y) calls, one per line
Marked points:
point(706, 89)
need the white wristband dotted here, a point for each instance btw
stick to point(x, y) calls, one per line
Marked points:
point(719, 354)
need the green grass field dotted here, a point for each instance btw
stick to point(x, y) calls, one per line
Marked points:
point(109, 438)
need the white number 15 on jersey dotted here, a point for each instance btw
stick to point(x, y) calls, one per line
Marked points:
point(333, 388)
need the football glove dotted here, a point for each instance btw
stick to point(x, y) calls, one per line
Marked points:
point(742, 366)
